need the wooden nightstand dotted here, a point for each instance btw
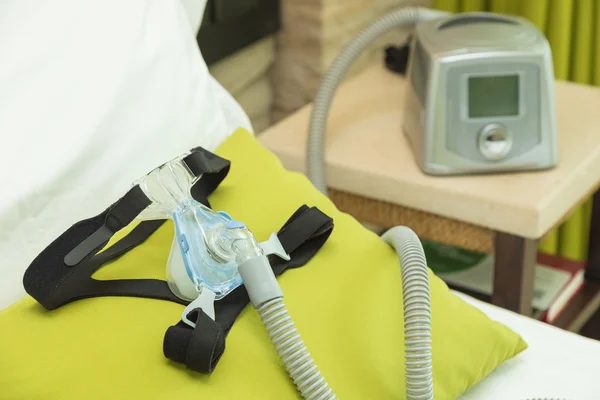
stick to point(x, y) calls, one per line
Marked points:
point(372, 175)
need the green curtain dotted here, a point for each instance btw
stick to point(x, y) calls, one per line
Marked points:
point(573, 30)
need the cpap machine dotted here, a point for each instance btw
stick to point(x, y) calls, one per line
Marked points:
point(479, 96)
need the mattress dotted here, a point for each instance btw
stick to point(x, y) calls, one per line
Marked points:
point(558, 364)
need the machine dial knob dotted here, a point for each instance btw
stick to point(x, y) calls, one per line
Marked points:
point(495, 142)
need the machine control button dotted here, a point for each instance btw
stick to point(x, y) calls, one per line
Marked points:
point(495, 142)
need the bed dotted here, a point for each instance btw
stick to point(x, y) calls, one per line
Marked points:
point(558, 364)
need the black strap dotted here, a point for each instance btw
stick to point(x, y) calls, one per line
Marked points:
point(112, 220)
point(62, 272)
point(213, 170)
point(200, 348)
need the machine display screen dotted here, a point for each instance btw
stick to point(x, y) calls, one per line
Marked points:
point(493, 96)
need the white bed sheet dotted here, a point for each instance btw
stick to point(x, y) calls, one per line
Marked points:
point(93, 96)
point(558, 364)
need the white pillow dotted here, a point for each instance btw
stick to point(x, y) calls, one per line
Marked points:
point(94, 94)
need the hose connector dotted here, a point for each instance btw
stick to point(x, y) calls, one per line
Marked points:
point(260, 281)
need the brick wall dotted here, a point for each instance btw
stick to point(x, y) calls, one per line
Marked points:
point(313, 32)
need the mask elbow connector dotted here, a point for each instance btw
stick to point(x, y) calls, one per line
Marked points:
point(235, 244)
point(260, 281)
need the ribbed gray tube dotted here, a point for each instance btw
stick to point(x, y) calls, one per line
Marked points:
point(266, 296)
point(417, 327)
point(293, 352)
point(315, 163)
point(415, 282)
point(417, 312)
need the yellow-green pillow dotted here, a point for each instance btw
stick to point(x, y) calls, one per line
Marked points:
point(346, 303)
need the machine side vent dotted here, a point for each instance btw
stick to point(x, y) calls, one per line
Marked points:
point(469, 19)
point(419, 72)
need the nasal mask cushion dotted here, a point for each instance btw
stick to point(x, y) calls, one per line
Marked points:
point(208, 246)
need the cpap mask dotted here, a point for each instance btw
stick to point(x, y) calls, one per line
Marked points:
point(208, 247)
point(211, 255)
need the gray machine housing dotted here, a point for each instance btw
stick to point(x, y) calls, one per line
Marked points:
point(445, 53)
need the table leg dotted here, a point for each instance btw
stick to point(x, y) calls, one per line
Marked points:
point(515, 259)
point(592, 272)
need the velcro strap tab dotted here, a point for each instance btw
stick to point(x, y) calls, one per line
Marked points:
point(213, 168)
point(199, 348)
